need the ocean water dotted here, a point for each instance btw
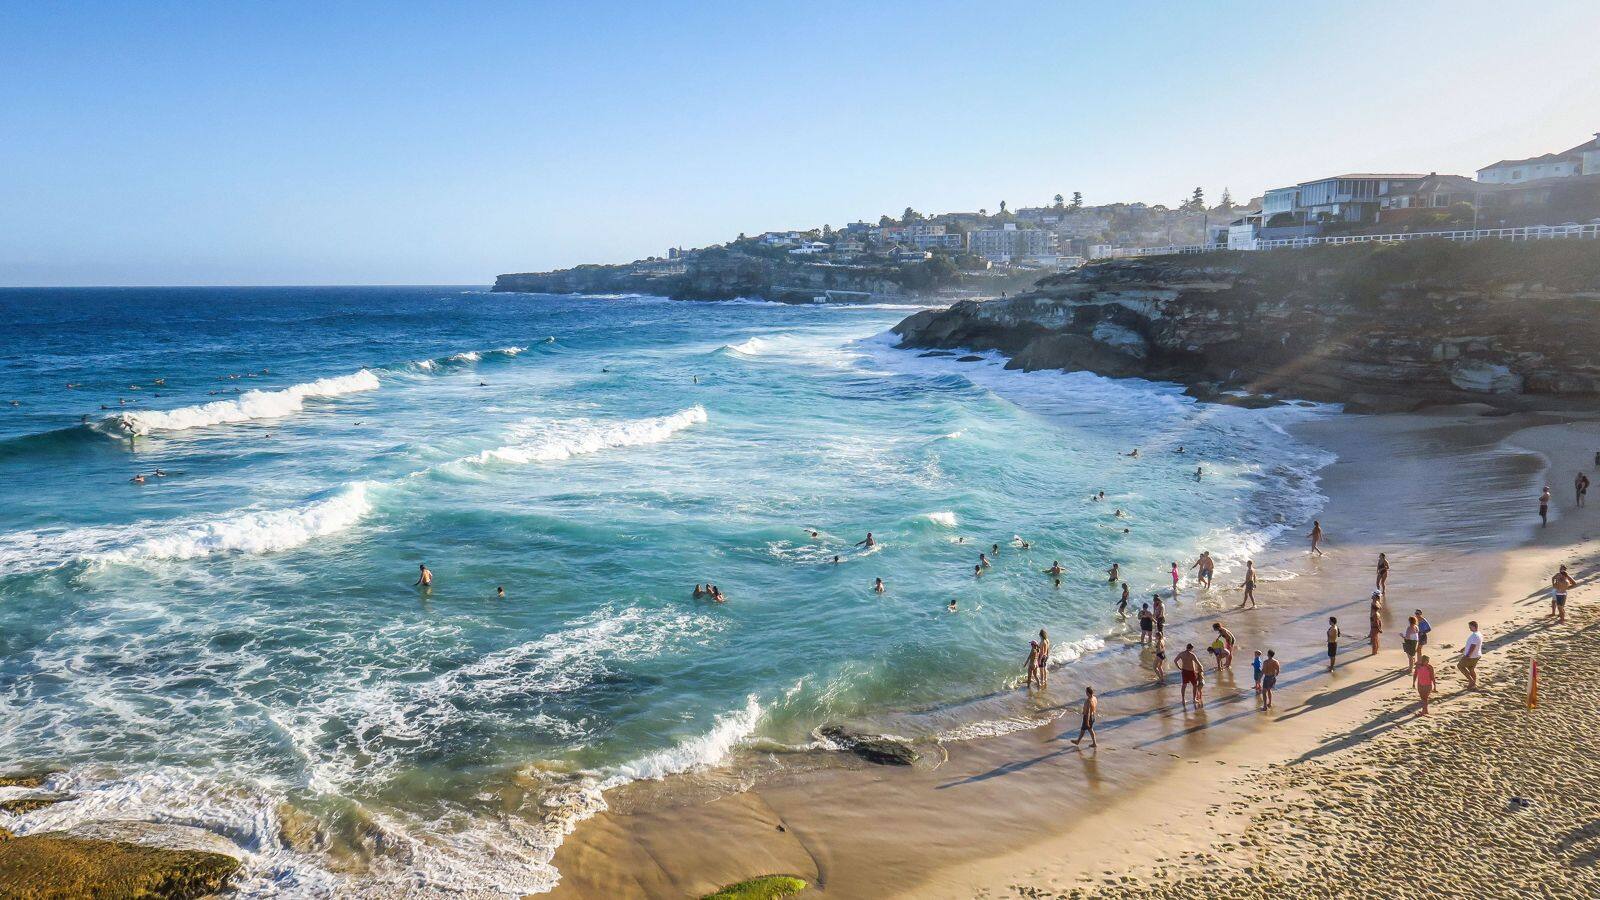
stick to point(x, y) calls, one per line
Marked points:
point(237, 644)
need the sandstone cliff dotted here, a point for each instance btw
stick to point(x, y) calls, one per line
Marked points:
point(1377, 327)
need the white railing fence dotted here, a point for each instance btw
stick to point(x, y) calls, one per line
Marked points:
point(1526, 233)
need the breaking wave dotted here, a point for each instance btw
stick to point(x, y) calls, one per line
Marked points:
point(244, 408)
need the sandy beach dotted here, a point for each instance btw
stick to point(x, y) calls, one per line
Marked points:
point(1340, 789)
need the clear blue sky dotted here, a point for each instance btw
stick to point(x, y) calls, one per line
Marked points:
point(287, 143)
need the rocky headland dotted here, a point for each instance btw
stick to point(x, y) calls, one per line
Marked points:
point(1375, 327)
point(769, 274)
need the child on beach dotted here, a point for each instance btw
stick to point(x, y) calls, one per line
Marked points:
point(1374, 621)
point(1422, 680)
point(1161, 658)
point(1333, 641)
point(1255, 671)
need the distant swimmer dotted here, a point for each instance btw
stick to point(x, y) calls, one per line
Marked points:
point(1055, 569)
point(1134, 453)
point(1102, 496)
point(1118, 513)
point(814, 533)
point(424, 577)
point(696, 378)
point(1058, 584)
point(1197, 473)
point(878, 585)
point(160, 473)
point(1114, 573)
point(994, 550)
point(1026, 545)
point(983, 561)
point(161, 381)
point(836, 559)
point(137, 479)
point(716, 595)
point(1180, 448)
point(483, 384)
point(698, 592)
point(952, 606)
point(867, 541)
point(977, 571)
point(500, 592)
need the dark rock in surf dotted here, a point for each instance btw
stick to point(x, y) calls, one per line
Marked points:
point(874, 748)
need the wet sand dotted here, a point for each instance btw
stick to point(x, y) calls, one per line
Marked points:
point(1450, 496)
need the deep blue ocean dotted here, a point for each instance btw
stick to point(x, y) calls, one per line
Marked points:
point(236, 643)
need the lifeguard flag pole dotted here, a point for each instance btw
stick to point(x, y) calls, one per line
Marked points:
point(1533, 684)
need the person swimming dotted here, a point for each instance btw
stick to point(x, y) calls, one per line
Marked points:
point(1114, 574)
point(424, 577)
point(952, 606)
point(137, 479)
point(836, 559)
point(878, 585)
point(500, 592)
point(977, 571)
point(698, 593)
point(1055, 569)
point(983, 560)
point(867, 541)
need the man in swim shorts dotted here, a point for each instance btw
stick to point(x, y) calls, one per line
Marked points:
point(1269, 678)
point(1091, 705)
point(1190, 668)
point(1559, 585)
point(1333, 641)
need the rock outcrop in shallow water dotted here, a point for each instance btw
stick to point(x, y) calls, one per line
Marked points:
point(1378, 328)
point(58, 864)
point(874, 748)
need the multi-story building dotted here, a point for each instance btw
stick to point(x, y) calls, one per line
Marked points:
point(1583, 159)
point(1008, 243)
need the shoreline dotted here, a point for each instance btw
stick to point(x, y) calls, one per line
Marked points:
point(987, 812)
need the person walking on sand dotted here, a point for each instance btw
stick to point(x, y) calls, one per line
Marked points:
point(1333, 641)
point(1249, 585)
point(1375, 621)
point(1383, 574)
point(1147, 624)
point(424, 578)
point(1190, 668)
point(1422, 680)
point(1580, 486)
point(1206, 566)
point(1471, 652)
point(1409, 642)
point(1544, 507)
point(1091, 705)
point(1316, 537)
point(1559, 585)
point(1269, 678)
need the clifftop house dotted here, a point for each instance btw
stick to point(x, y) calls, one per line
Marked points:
point(1583, 159)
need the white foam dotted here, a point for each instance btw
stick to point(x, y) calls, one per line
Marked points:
point(465, 357)
point(245, 531)
point(943, 517)
point(547, 440)
point(699, 752)
point(264, 531)
point(246, 407)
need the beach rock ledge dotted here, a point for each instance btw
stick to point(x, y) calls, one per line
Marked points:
point(1375, 327)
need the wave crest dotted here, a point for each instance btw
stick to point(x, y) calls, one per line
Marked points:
point(246, 407)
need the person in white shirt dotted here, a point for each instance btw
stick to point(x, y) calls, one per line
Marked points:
point(1471, 652)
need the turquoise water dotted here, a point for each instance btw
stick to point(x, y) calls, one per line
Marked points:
point(242, 633)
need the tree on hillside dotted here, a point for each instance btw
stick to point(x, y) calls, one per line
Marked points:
point(1002, 207)
point(983, 213)
point(1077, 200)
point(827, 231)
point(1225, 205)
point(885, 221)
point(1197, 201)
point(909, 216)
point(1059, 201)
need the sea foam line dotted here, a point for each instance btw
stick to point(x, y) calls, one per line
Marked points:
point(246, 407)
point(545, 440)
